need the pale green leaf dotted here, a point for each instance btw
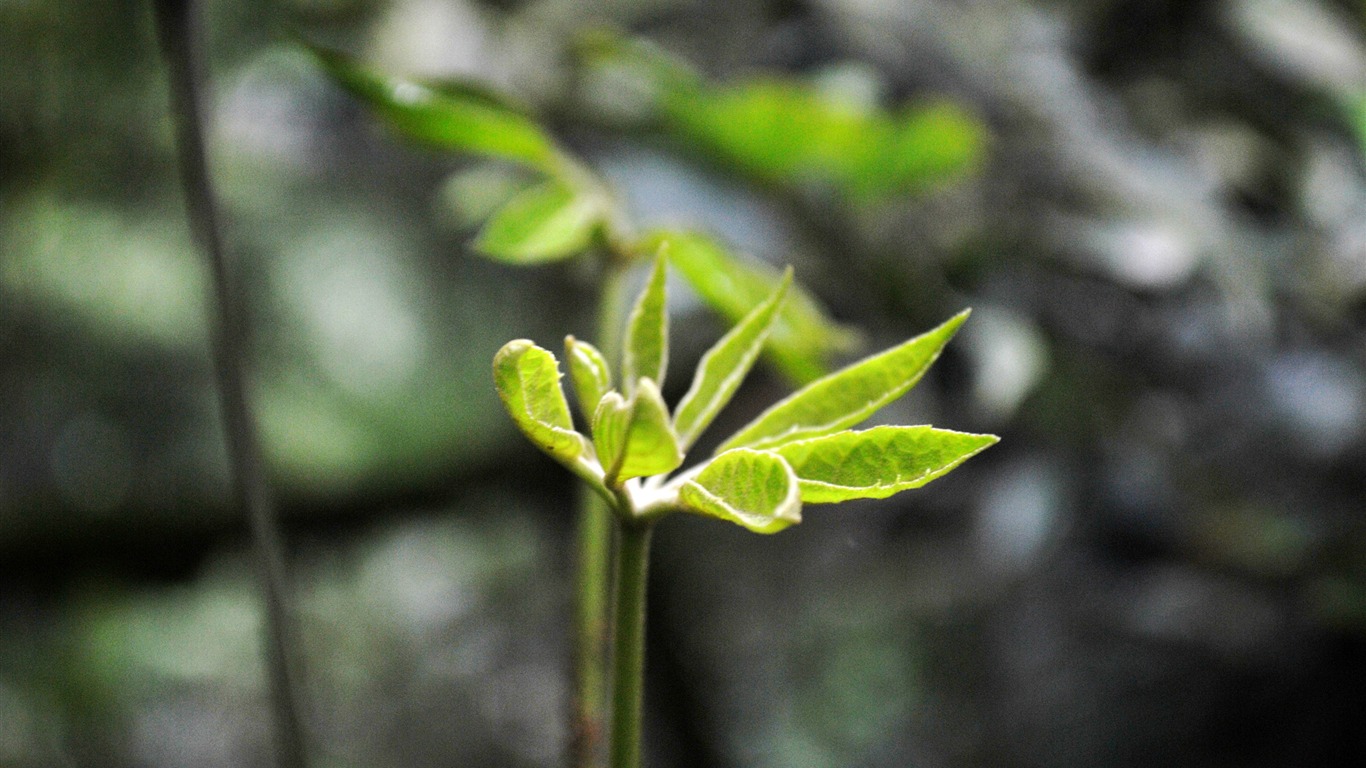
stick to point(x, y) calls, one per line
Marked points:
point(725, 365)
point(465, 118)
point(646, 347)
point(611, 421)
point(651, 446)
point(528, 381)
point(754, 489)
point(546, 222)
point(876, 463)
point(804, 338)
point(848, 396)
point(591, 375)
point(634, 437)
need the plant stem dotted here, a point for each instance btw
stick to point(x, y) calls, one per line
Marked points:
point(179, 42)
point(593, 578)
point(628, 680)
point(594, 559)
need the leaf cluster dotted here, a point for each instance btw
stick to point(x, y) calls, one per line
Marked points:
point(801, 450)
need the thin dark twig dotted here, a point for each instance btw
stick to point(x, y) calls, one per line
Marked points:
point(179, 43)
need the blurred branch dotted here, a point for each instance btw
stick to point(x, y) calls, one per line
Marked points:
point(179, 42)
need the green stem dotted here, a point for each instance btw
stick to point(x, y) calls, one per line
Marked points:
point(593, 572)
point(628, 680)
point(594, 562)
point(177, 30)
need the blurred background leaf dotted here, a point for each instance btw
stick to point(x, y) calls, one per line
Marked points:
point(463, 117)
point(829, 132)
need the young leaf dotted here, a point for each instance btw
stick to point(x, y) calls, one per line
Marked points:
point(804, 337)
point(611, 421)
point(647, 331)
point(634, 437)
point(444, 115)
point(547, 222)
point(590, 372)
point(528, 381)
point(753, 489)
point(725, 365)
point(876, 463)
point(848, 396)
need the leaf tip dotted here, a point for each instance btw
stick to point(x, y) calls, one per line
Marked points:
point(661, 261)
point(958, 319)
point(949, 328)
point(514, 347)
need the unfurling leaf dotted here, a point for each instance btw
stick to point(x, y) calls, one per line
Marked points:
point(646, 347)
point(547, 222)
point(805, 336)
point(876, 463)
point(753, 489)
point(446, 115)
point(591, 375)
point(847, 397)
point(610, 422)
point(633, 437)
point(528, 381)
point(725, 365)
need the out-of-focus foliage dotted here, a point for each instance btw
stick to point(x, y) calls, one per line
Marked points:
point(456, 115)
point(805, 337)
point(786, 131)
point(798, 450)
point(571, 214)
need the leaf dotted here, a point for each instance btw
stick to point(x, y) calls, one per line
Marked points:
point(591, 375)
point(848, 396)
point(754, 489)
point(651, 445)
point(786, 131)
point(777, 130)
point(528, 381)
point(633, 437)
point(725, 366)
point(876, 463)
point(929, 143)
point(647, 331)
point(545, 223)
point(445, 115)
point(803, 339)
point(611, 421)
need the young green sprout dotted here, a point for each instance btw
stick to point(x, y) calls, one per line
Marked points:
point(799, 450)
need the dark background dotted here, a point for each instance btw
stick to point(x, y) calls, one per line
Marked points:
point(1163, 562)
